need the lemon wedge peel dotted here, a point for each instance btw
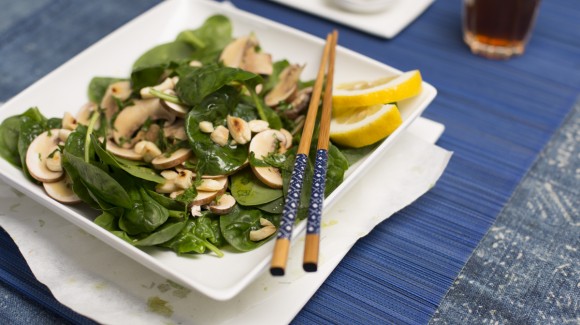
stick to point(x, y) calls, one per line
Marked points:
point(365, 126)
point(407, 85)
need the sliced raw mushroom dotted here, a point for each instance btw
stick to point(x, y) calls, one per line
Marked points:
point(130, 154)
point(176, 130)
point(116, 91)
point(288, 137)
point(69, 122)
point(84, 114)
point(239, 129)
point(266, 231)
point(223, 204)
point(148, 150)
point(234, 52)
point(257, 62)
point(40, 150)
point(258, 126)
point(176, 109)
point(206, 197)
point(262, 145)
point(211, 185)
point(61, 191)
point(151, 134)
point(241, 53)
point(286, 86)
point(299, 102)
point(165, 85)
point(131, 118)
point(174, 159)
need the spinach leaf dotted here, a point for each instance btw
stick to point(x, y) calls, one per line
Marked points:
point(9, 133)
point(97, 181)
point(140, 172)
point(164, 234)
point(165, 201)
point(248, 190)
point(236, 227)
point(29, 130)
point(196, 84)
point(195, 237)
point(209, 39)
point(107, 221)
point(274, 207)
point(145, 214)
point(98, 87)
point(214, 159)
point(353, 155)
point(337, 166)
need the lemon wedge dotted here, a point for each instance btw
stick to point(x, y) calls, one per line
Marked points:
point(363, 126)
point(381, 91)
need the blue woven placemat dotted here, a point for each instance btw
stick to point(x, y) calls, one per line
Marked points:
point(499, 114)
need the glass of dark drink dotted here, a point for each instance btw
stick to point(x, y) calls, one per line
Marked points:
point(498, 29)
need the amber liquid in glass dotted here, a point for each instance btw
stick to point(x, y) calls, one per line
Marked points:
point(498, 28)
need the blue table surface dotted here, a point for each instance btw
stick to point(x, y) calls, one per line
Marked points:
point(498, 116)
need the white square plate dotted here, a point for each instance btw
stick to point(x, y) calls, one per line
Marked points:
point(385, 23)
point(65, 90)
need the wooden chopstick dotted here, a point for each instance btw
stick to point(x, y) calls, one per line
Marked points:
point(311, 248)
point(282, 246)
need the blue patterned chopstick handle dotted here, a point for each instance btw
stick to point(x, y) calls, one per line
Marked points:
point(317, 193)
point(293, 197)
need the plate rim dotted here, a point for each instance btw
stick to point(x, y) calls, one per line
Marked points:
point(143, 257)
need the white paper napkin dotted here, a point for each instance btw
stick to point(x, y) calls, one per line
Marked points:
point(95, 280)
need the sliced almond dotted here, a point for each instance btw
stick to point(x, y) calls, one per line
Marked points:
point(220, 135)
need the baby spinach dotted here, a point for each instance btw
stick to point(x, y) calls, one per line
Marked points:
point(144, 215)
point(274, 207)
point(214, 159)
point(236, 226)
point(140, 172)
point(98, 182)
point(209, 39)
point(248, 190)
point(197, 236)
point(164, 234)
point(198, 83)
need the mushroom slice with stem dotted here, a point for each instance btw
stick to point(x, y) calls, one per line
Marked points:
point(61, 191)
point(130, 154)
point(206, 197)
point(223, 204)
point(176, 130)
point(288, 137)
point(83, 116)
point(174, 108)
point(263, 144)
point(286, 86)
point(174, 159)
point(165, 85)
point(120, 90)
point(131, 118)
point(234, 52)
point(257, 62)
point(299, 103)
point(39, 152)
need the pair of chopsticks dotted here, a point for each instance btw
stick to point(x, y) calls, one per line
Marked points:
point(311, 248)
